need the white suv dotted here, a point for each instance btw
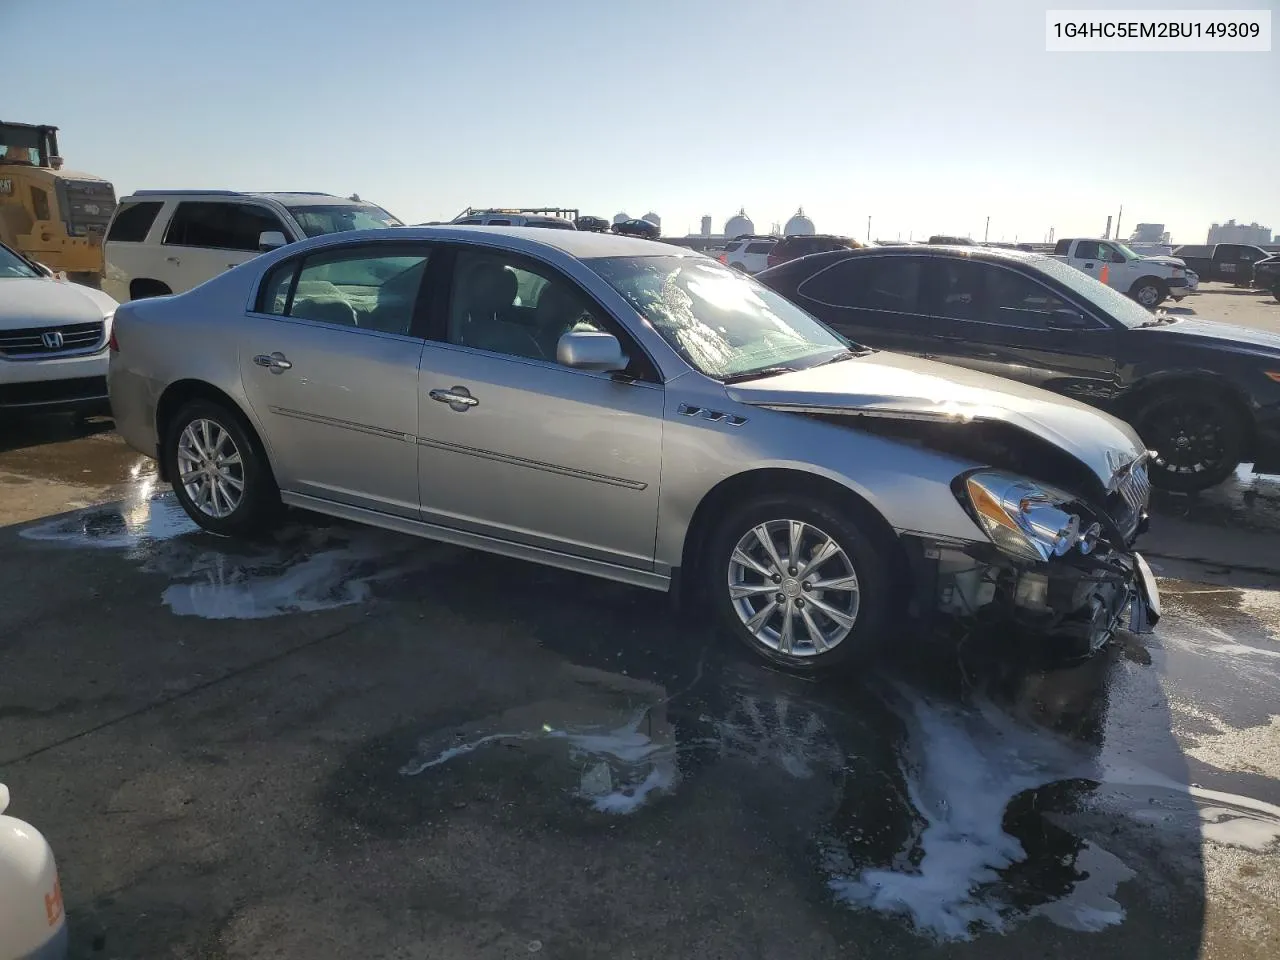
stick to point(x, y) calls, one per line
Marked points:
point(168, 241)
point(748, 254)
point(53, 340)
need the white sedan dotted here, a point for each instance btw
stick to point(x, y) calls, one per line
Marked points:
point(53, 340)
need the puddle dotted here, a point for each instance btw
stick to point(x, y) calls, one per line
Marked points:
point(146, 516)
point(961, 770)
point(300, 569)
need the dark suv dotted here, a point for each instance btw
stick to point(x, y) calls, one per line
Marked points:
point(792, 248)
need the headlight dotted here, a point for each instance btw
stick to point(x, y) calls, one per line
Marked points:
point(1023, 518)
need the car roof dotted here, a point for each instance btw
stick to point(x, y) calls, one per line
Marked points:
point(288, 198)
point(993, 254)
point(581, 244)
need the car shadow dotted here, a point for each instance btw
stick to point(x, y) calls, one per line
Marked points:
point(17, 433)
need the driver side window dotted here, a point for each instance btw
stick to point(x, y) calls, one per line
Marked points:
point(508, 306)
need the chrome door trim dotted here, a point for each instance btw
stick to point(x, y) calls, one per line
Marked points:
point(345, 424)
point(476, 541)
point(533, 464)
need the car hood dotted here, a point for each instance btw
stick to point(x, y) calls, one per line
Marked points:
point(1166, 261)
point(40, 302)
point(1227, 336)
point(894, 385)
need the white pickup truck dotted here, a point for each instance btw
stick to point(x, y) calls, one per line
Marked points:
point(1149, 280)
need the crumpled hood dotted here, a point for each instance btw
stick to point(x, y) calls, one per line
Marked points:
point(40, 302)
point(895, 385)
point(1167, 261)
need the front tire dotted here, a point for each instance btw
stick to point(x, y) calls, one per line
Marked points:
point(802, 583)
point(1275, 291)
point(218, 471)
point(1198, 438)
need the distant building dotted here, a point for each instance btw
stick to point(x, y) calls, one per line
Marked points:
point(621, 217)
point(739, 224)
point(706, 226)
point(799, 225)
point(653, 218)
point(1232, 232)
point(1149, 233)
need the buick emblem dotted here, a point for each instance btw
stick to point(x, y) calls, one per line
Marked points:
point(52, 339)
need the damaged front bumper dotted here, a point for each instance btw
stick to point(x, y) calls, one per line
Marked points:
point(1075, 603)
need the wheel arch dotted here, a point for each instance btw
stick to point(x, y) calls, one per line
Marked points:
point(774, 480)
point(181, 392)
point(1143, 390)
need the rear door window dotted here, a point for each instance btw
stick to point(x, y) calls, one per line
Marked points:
point(369, 288)
point(220, 226)
point(957, 288)
point(758, 248)
point(733, 247)
point(889, 284)
point(133, 221)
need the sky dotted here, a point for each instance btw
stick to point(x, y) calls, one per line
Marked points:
point(928, 116)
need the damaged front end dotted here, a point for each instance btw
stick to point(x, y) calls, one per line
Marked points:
point(1058, 565)
point(1059, 561)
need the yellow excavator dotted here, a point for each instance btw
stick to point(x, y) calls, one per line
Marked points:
point(49, 214)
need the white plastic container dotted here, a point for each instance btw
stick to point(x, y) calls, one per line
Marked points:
point(33, 923)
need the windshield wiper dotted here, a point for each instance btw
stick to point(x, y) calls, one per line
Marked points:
point(847, 355)
point(756, 374)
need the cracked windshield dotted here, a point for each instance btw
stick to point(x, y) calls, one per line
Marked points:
point(825, 522)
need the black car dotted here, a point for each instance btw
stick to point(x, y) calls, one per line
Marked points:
point(803, 245)
point(637, 228)
point(1204, 396)
point(1266, 275)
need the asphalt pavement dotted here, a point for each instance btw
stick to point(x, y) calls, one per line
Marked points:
point(341, 742)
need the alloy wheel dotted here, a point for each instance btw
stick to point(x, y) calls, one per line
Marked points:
point(1148, 296)
point(793, 587)
point(210, 468)
point(1187, 439)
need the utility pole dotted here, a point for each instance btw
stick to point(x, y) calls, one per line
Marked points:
point(986, 230)
point(1107, 235)
point(1118, 216)
point(868, 228)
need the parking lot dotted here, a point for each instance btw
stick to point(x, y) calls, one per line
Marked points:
point(342, 742)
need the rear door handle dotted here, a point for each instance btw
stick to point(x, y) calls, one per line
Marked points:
point(275, 362)
point(458, 398)
point(174, 260)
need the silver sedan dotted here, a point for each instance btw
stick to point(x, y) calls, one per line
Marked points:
point(632, 410)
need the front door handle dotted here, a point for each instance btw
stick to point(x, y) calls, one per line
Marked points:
point(173, 260)
point(275, 362)
point(458, 398)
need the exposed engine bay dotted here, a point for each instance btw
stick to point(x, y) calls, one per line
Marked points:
point(1075, 594)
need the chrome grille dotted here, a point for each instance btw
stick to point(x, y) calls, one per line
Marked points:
point(36, 343)
point(1135, 488)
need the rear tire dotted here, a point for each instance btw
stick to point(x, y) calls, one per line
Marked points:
point(219, 471)
point(1275, 291)
point(811, 628)
point(1198, 437)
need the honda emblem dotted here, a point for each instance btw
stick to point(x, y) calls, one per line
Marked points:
point(52, 339)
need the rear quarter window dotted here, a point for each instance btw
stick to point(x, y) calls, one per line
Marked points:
point(133, 221)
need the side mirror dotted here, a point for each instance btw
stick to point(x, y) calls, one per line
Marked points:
point(1117, 258)
point(588, 350)
point(1065, 318)
point(271, 240)
point(43, 270)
